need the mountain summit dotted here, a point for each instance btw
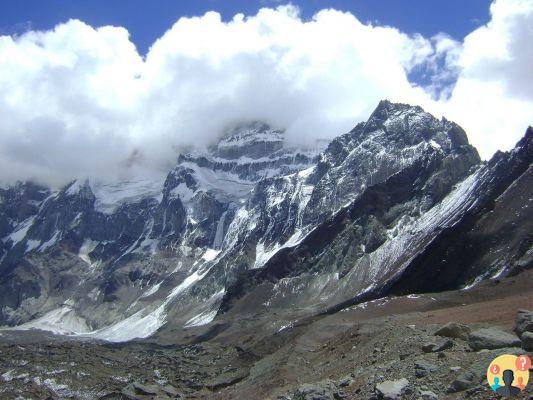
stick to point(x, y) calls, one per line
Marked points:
point(251, 230)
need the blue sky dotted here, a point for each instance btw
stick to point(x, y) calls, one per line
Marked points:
point(148, 20)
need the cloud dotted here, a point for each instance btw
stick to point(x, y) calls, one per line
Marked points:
point(80, 101)
point(493, 96)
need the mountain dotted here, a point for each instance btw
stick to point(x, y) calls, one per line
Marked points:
point(250, 229)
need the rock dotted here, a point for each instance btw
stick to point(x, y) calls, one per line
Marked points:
point(424, 368)
point(227, 379)
point(524, 322)
point(145, 389)
point(527, 341)
point(324, 390)
point(171, 391)
point(403, 356)
point(443, 345)
point(475, 390)
point(454, 330)
point(138, 391)
point(392, 390)
point(491, 338)
point(464, 381)
point(346, 381)
point(428, 395)
point(428, 347)
point(339, 395)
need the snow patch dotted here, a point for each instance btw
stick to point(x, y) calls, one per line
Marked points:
point(137, 326)
point(20, 231)
point(86, 248)
point(32, 245)
point(152, 290)
point(434, 144)
point(61, 321)
point(210, 254)
point(110, 196)
point(262, 255)
point(201, 319)
point(183, 192)
point(50, 242)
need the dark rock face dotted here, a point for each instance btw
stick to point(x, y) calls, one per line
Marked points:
point(399, 204)
point(524, 322)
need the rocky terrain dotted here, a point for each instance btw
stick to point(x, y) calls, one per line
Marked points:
point(362, 352)
point(252, 269)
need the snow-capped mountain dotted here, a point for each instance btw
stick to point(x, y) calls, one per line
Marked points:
point(400, 204)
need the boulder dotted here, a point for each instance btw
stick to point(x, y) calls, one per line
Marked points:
point(443, 345)
point(428, 395)
point(324, 390)
point(527, 341)
point(454, 330)
point(462, 382)
point(491, 338)
point(428, 347)
point(139, 391)
point(346, 381)
point(424, 368)
point(392, 390)
point(524, 322)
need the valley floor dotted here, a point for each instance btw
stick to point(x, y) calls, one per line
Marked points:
point(342, 355)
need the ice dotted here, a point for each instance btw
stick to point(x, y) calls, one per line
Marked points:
point(187, 282)
point(86, 248)
point(147, 246)
point(286, 326)
point(434, 144)
point(49, 243)
point(20, 231)
point(144, 323)
point(152, 290)
point(210, 254)
point(219, 234)
point(8, 376)
point(246, 137)
point(139, 325)
point(262, 255)
point(62, 321)
point(201, 319)
point(74, 188)
point(412, 234)
point(183, 192)
point(110, 196)
point(32, 245)
point(224, 185)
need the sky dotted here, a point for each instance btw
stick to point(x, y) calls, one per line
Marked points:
point(113, 89)
point(147, 21)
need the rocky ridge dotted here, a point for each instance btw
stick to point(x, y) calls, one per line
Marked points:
point(249, 226)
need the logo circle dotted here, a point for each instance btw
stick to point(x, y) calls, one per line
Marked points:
point(508, 371)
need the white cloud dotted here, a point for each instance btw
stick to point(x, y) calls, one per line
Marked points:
point(493, 97)
point(79, 101)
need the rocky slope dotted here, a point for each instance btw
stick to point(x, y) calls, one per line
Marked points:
point(420, 344)
point(399, 204)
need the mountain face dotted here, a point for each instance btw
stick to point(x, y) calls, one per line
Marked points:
point(400, 204)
